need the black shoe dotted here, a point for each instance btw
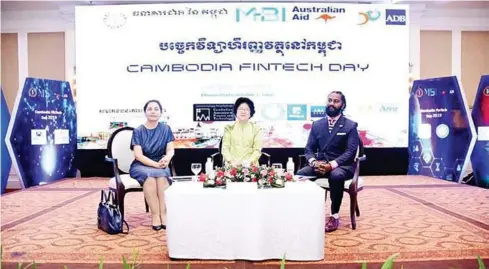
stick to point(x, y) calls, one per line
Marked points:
point(163, 227)
point(156, 228)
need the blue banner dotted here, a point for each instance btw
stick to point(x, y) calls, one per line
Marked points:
point(43, 132)
point(441, 133)
point(6, 162)
point(480, 115)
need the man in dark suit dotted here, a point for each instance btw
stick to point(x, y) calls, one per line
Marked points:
point(330, 151)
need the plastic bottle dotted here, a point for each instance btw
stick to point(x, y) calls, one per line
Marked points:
point(209, 166)
point(290, 166)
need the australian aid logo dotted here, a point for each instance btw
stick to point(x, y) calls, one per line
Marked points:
point(395, 17)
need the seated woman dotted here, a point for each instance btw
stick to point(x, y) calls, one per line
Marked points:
point(242, 140)
point(153, 148)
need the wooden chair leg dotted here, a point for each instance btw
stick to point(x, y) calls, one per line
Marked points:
point(357, 210)
point(353, 203)
point(120, 202)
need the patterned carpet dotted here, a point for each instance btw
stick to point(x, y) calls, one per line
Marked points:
point(431, 223)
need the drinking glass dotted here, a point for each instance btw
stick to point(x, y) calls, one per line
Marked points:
point(196, 168)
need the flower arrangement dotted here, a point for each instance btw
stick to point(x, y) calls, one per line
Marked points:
point(264, 176)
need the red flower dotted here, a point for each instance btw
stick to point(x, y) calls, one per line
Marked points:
point(254, 169)
point(254, 179)
point(270, 180)
point(271, 173)
point(219, 182)
point(220, 173)
point(288, 176)
point(233, 172)
point(202, 177)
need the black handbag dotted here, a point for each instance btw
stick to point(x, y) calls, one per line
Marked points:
point(109, 217)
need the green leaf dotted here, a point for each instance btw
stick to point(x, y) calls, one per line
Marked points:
point(481, 263)
point(282, 263)
point(19, 265)
point(364, 265)
point(124, 263)
point(66, 267)
point(101, 264)
point(188, 266)
point(134, 257)
point(389, 263)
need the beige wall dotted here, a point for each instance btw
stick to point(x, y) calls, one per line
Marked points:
point(475, 61)
point(10, 68)
point(46, 55)
point(435, 54)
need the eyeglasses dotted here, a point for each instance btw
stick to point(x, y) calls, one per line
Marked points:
point(244, 109)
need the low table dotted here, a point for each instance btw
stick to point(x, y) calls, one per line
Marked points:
point(243, 222)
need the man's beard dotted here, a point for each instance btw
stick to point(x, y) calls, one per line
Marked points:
point(333, 112)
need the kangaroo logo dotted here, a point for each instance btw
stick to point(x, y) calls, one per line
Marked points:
point(325, 17)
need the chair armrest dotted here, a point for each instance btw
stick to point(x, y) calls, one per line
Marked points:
point(361, 158)
point(299, 164)
point(119, 185)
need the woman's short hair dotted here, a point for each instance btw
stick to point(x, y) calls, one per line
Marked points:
point(153, 101)
point(248, 101)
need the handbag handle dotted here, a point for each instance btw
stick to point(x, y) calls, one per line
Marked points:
point(108, 198)
point(103, 197)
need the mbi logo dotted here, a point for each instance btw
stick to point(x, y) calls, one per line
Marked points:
point(395, 17)
point(264, 14)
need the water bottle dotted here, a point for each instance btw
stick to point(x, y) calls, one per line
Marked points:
point(209, 166)
point(290, 166)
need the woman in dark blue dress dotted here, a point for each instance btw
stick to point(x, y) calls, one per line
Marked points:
point(153, 149)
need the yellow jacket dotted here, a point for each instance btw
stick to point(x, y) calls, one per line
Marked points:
point(242, 142)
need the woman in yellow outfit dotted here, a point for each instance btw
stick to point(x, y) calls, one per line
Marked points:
point(242, 141)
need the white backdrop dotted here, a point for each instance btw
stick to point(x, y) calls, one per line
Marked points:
point(129, 54)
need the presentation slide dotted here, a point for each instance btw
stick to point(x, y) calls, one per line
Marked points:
point(198, 58)
point(441, 130)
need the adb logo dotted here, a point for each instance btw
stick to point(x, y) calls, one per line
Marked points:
point(263, 14)
point(395, 17)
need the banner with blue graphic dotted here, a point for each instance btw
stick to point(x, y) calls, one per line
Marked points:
point(6, 162)
point(42, 133)
point(480, 115)
point(441, 131)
